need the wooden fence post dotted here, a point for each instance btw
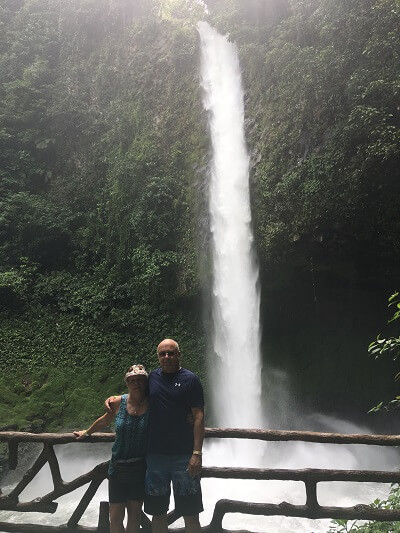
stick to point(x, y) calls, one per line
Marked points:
point(103, 525)
point(12, 455)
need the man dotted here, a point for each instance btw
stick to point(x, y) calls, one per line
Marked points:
point(174, 451)
point(175, 446)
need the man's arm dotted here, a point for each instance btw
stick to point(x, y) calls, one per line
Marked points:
point(111, 403)
point(195, 462)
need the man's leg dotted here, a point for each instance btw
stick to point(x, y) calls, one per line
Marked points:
point(157, 491)
point(159, 524)
point(187, 494)
point(192, 524)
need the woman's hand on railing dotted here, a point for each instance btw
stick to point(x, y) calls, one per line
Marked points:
point(81, 434)
point(102, 422)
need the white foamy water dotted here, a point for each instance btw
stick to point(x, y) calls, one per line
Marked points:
point(236, 300)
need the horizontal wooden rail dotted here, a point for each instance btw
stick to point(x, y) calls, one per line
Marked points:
point(306, 474)
point(305, 436)
point(9, 527)
point(220, 433)
point(52, 438)
point(359, 511)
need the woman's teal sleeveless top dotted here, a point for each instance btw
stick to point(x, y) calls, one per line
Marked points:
point(130, 434)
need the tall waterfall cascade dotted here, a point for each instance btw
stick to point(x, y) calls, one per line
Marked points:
point(236, 371)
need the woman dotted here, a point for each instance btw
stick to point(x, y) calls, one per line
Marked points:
point(127, 467)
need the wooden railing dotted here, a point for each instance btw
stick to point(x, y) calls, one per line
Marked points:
point(309, 476)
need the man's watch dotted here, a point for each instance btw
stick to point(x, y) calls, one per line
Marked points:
point(197, 452)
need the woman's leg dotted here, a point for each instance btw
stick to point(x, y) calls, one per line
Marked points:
point(134, 509)
point(117, 514)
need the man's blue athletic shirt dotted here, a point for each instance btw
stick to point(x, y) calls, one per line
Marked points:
point(171, 398)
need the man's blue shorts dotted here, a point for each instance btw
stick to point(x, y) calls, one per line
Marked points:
point(161, 470)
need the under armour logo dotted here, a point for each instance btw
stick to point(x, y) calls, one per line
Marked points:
point(177, 384)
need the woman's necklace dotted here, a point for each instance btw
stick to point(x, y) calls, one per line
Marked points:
point(137, 407)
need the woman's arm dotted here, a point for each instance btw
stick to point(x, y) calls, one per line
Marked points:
point(101, 423)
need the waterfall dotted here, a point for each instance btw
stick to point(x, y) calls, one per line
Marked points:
point(236, 369)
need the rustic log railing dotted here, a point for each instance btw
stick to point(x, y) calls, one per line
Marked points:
point(309, 476)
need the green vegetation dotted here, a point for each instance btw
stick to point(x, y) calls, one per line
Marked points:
point(392, 502)
point(389, 346)
point(326, 135)
point(98, 143)
point(49, 400)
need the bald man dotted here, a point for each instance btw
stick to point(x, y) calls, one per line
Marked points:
point(174, 451)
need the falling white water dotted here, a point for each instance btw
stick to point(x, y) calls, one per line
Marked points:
point(236, 376)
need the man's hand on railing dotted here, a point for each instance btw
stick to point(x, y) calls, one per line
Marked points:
point(109, 404)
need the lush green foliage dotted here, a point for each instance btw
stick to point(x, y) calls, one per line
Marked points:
point(323, 100)
point(388, 347)
point(99, 135)
point(391, 345)
point(55, 399)
point(392, 502)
